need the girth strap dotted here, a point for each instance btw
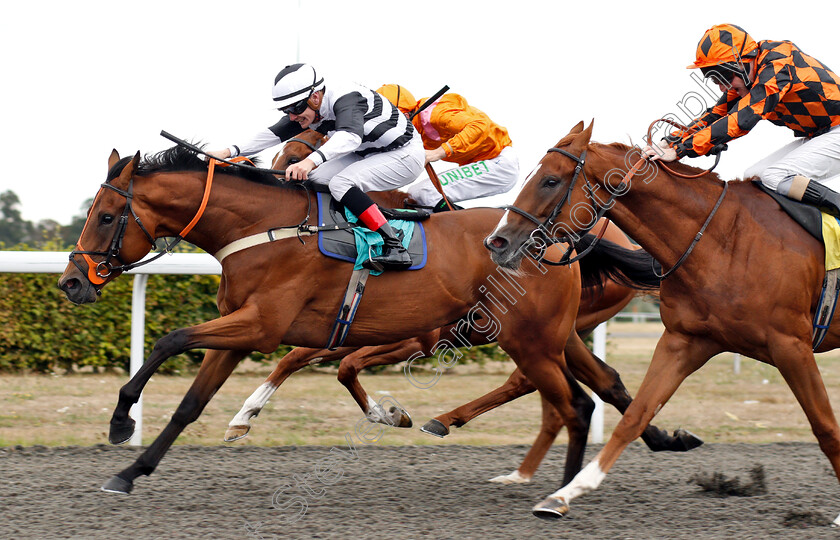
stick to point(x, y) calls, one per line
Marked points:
point(826, 305)
point(347, 312)
point(271, 235)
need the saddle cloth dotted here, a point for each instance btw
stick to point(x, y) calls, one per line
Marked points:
point(344, 244)
point(831, 239)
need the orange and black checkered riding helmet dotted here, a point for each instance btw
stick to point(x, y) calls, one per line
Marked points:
point(722, 44)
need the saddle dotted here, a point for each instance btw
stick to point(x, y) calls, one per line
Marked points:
point(340, 238)
point(809, 217)
point(341, 244)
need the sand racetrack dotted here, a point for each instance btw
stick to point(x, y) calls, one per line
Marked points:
point(408, 492)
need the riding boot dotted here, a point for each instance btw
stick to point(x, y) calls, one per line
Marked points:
point(816, 194)
point(394, 256)
point(441, 206)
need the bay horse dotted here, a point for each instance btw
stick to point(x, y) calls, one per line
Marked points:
point(286, 292)
point(727, 294)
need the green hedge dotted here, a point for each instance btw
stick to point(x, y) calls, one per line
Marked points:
point(41, 331)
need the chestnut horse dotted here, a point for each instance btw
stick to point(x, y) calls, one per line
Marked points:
point(598, 304)
point(283, 291)
point(749, 286)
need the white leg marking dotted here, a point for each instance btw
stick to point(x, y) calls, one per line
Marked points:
point(376, 413)
point(586, 480)
point(512, 478)
point(836, 522)
point(253, 405)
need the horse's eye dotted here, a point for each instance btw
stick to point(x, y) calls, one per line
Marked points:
point(551, 182)
point(106, 219)
point(294, 160)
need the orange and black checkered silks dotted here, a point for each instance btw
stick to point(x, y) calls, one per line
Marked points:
point(791, 89)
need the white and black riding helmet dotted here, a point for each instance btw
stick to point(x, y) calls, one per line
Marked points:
point(293, 86)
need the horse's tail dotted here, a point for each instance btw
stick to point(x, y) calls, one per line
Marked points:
point(635, 269)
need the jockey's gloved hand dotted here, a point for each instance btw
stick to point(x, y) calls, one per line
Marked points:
point(718, 148)
point(662, 150)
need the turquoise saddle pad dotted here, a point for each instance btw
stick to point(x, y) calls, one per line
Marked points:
point(353, 245)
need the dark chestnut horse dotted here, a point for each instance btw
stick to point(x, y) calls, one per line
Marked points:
point(286, 292)
point(750, 285)
point(597, 305)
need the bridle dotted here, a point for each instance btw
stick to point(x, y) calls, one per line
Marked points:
point(312, 147)
point(543, 226)
point(98, 272)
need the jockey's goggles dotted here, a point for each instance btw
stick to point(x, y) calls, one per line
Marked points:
point(722, 73)
point(295, 108)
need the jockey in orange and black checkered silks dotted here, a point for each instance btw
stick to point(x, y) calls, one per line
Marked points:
point(774, 80)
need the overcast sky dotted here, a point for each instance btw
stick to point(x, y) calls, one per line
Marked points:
point(81, 78)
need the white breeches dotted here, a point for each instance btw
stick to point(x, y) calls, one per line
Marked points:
point(375, 172)
point(480, 179)
point(816, 159)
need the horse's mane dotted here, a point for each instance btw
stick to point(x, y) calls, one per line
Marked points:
point(179, 158)
point(675, 165)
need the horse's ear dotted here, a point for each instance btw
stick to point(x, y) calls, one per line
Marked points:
point(583, 138)
point(588, 130)
point(570, 136)
point(113, 158)
point(128, 170)
point(577, 129)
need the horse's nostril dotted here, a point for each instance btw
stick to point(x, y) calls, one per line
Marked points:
point(495, 242)
point(70, 284)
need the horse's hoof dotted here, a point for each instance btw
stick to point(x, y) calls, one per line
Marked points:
point(234, 433)
point(512, 478)
point(435, 427)
point(400, 417)
point(121, 433)
point(117, 485)
point(686, 440)
point(551, 508)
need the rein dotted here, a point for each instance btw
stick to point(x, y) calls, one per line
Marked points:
point(312, 147)
point(542, 226)
point(697, 237)
point(716, 151)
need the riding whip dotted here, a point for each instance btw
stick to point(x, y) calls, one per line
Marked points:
point(429, 169)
